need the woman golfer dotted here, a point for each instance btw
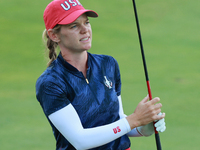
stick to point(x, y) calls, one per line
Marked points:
point(80, 92)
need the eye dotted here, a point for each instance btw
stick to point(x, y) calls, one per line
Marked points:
point(87, 22)
point(73, 26)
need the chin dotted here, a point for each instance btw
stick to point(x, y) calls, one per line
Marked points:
point(87, 47)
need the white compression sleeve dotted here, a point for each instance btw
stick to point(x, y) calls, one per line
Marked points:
point(133, 132)
point(67, 121)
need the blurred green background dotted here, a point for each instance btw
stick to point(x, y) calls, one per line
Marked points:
point(171, 39)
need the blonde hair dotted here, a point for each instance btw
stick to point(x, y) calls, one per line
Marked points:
point(51, 45)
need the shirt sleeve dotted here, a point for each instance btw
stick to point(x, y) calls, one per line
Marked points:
point(51, 97)
point(67, 121)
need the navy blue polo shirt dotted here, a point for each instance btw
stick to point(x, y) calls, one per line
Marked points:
point(94, 97)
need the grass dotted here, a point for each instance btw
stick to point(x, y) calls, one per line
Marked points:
point(171, 43)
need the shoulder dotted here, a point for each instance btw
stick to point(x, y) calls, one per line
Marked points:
point(49, 78)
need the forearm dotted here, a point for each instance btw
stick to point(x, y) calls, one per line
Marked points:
point(94, 137)
point(68, 123)
point(134, 133)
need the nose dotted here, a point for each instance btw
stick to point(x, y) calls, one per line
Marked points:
point(84, 29)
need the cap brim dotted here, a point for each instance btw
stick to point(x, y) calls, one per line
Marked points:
point(73, 16)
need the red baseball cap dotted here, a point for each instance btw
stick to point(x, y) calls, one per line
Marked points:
point(64, 12)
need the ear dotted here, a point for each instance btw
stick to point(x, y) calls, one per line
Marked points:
point(53, 36)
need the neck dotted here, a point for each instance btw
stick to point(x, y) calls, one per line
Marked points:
point(78, 60)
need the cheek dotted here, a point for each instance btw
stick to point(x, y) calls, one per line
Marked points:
point(65, 35)
point(65, 39)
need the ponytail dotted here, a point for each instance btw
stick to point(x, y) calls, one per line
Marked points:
point(51, 45)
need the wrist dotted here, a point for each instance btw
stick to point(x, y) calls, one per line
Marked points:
point(132, 120)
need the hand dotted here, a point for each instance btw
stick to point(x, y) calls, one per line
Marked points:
point(148, 129)
point(146, 112)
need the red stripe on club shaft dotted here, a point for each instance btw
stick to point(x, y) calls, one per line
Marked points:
point(149, 90)
point(150, 98)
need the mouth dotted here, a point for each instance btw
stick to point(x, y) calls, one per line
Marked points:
point(85, 39)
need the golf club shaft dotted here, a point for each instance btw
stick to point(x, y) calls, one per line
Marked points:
point(157, 138)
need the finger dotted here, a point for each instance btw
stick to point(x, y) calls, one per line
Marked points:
point(145, 99)
point(159, 114)
point(163, 115)
point(155, 100)
point(158, 106)
point(159, 117)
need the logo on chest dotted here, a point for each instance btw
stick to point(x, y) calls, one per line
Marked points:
point(107, 82)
